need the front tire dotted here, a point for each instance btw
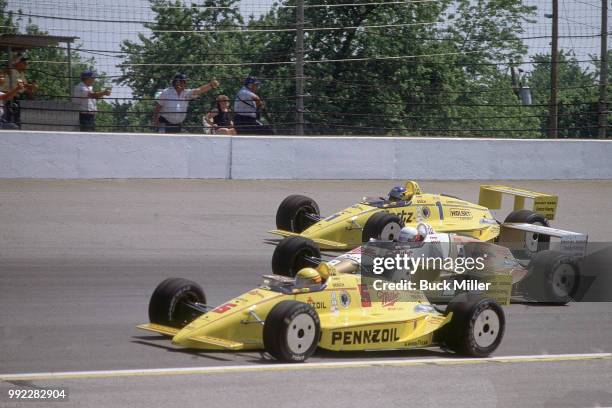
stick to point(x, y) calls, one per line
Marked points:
point(296, 213)
point(291, 331)
point(168, 307)
point(382, 226)
point(293, 254)
point(476, 328)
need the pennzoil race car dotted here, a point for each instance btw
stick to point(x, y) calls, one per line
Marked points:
point(291, 317)
point(545, 276)
point(382, 218)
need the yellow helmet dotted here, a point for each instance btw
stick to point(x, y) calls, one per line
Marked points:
point(324, 270)
point(307, 276)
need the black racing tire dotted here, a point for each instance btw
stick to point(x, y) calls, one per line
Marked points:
point(291, 331)
point(382, 226)
point(476, 328)
point(292, 213)
point(166, 306)
point(292, 254)
point(553, 278)
point(533, 242)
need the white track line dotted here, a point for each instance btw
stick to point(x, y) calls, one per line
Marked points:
point(294, 367)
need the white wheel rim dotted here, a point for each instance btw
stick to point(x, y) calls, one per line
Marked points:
point(301, 333)
point(390, 231)
point(486, 328)
point(563, 280)
point(532, 239)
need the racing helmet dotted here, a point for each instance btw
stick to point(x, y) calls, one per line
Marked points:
point(397, 193)
point(408, 234)
point(424, 229)
point(307, 276)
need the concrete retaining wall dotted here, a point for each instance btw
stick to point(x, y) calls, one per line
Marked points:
point(114, 155)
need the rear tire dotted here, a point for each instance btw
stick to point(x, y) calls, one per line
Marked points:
point(476, 328)
point(291, 331)
point(382, 226)
point(553, 278)
point(533, 242)
point(292, 213)
point(167, 307)
point(292, 254)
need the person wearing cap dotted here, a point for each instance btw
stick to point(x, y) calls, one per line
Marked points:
point(247, 108)
point(220, 118)
point(171, 105)
point(84, 97)
point(16, 74)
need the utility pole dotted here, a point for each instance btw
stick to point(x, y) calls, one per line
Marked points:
point(553, 108)
point(603, 72)
point(299, 68)
point(69, 60)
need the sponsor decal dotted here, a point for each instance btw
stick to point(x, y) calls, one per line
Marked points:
point(224, 308)
point(316, 305)
point(426, 212)
point(460, 213)
point(365, 296)
point(365, 336)
point(345, 299)
point(407, 217)
point(387, 299)
point(334, 302)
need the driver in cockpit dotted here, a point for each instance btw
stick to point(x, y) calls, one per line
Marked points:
point(397, 193)
point(309, 278)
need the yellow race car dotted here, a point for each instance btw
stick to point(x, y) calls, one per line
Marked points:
point(321, 308)
point(382, 218)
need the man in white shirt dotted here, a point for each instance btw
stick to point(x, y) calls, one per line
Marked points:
point(84, 97)
point(171, 105)
point(247, 106)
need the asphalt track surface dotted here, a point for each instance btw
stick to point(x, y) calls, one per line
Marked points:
point(79, 260)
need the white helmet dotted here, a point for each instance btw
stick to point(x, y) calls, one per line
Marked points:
point(424, 229)
point(407, 234)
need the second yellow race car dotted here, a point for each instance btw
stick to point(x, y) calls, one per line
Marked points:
point(383, 217)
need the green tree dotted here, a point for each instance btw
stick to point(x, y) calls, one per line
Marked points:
point(578, 94)
point(182, 39)
point(48, 66)
point(418, 68)
point(450, 83)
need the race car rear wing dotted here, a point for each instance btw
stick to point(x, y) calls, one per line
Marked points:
point(491, 197)
point(572, 243)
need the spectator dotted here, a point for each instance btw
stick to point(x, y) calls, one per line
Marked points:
point(171, 106)
point(247, 109)
point(84, 97)
point(220, 118)
point(9, 95)
point(16, 74)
